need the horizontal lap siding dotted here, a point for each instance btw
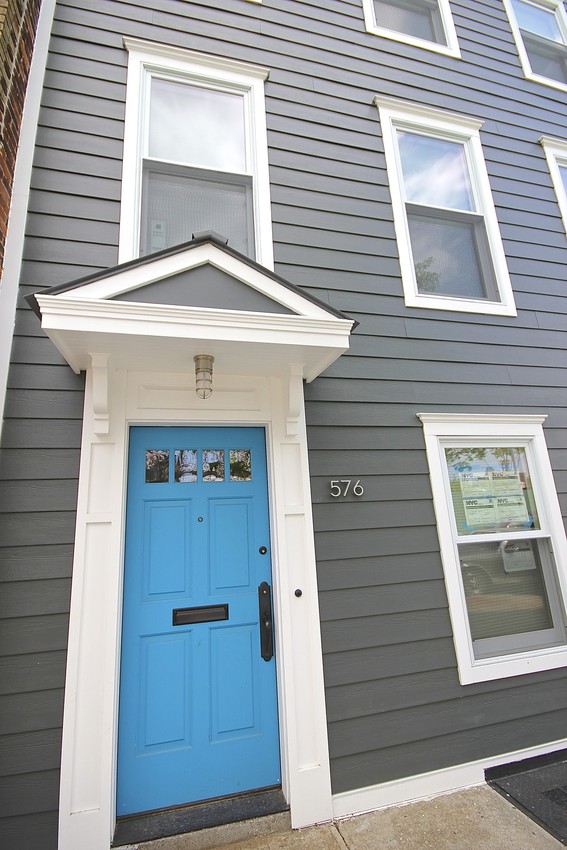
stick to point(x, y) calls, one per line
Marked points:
point(71, 230)
point(394, 703)
point(395, 706)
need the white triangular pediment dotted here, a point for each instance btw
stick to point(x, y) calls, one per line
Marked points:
point(168, 272)
point(157, 313)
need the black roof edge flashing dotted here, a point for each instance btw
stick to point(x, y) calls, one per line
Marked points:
point(200, 238)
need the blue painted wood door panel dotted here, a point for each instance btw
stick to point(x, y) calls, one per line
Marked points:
point(198, 713)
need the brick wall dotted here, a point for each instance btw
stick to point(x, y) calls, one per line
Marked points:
point(18, 22)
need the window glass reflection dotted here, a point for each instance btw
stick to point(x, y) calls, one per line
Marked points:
point(240, 465)
point(157, 466)
point(504, 588)
point(197, 126)
point(435, 172)
point(491, 489)
point(213, 465)
point(416, 18)
point(185, 466)
point(537, 20)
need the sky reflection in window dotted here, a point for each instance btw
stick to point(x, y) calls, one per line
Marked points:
point(197, 126)
point(435, 172)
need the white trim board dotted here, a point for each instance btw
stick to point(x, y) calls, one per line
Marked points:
point(399, 115)
point(556, 155)
point(451, 48)
point(88, 768)
point(526, 431)
point(426, 785)
point(147, 59)
point(84, 323)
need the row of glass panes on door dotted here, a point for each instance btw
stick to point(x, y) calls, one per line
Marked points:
point(186, 466)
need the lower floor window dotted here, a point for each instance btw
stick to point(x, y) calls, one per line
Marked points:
point(502, 543)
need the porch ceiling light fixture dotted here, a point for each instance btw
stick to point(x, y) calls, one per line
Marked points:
point(204, 375)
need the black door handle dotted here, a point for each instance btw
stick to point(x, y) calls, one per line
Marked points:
point(266, 630)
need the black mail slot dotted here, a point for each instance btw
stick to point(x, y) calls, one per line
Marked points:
point(202, 614)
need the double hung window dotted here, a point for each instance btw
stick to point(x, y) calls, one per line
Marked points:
point(424, 23)
point(451, 254)
point(556, 153)
point(195, 173)
point(195, 153)
point(540, 31)
point(502, 543)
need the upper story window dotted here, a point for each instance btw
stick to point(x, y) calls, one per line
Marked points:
point(195, 153)
point(556, 153)
point(425, 23)
point(502, 542)
point(451, 254)
point(540, 31)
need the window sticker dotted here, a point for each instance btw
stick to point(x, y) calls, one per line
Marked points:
point(185, 466)
point(157, 466)
point(490, 489)
point(240, 465)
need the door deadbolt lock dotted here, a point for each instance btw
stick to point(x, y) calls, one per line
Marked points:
point(262, 550)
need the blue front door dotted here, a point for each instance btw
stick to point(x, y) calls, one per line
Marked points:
point(198, 715)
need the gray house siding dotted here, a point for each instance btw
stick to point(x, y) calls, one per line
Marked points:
point(38, 488)
point(394, 703)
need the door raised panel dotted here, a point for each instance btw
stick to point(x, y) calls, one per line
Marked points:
point(164, 702)
point(166, 546)
point(234, 697)
point(231, 525)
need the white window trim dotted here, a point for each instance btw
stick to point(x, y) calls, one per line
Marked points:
point(394, 114)
point(449, 49)
point(146, 57)
point(558, 8)
point(556, 155)
point(436, 427)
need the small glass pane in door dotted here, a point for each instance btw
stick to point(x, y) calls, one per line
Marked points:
point(213, 465)
point(185, 465)
point(157, 466)
point(240, 465)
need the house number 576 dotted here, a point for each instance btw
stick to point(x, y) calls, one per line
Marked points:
point(342, 487)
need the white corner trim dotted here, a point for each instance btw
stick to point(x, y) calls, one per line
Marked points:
point(13, 249)
point(425, 785)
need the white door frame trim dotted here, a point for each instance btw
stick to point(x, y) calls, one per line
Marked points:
point(88, 770)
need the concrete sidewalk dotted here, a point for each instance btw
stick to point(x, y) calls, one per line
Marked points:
point(475, 819)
